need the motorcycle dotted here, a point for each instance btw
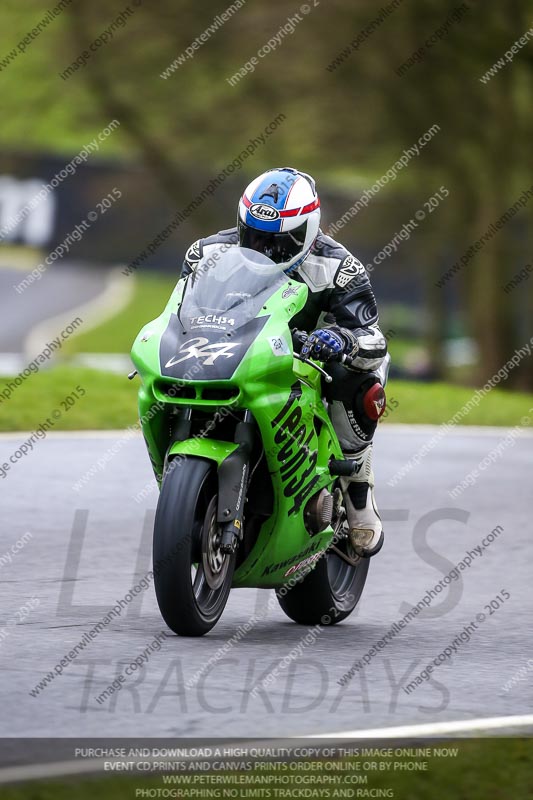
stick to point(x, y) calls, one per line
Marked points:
point(243, 450)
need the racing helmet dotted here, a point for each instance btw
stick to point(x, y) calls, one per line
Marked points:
point(279, 216)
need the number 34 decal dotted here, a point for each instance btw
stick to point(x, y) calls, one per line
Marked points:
point(201, 349)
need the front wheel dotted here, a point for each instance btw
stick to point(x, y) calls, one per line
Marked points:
point(192, 578)
point(329, 593)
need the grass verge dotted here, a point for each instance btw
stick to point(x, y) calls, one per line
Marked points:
point(110, 401)
point(116, 334)
point(436, 403)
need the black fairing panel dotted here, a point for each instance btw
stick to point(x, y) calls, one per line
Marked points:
point(205, 354)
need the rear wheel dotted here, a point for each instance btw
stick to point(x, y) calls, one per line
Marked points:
point(330, 592)
point(192, 577)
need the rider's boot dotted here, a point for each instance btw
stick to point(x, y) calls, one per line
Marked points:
point(364, 522)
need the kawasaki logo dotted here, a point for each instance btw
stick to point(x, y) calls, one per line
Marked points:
point(264, 212)
point(281, 564)
point(305, 563)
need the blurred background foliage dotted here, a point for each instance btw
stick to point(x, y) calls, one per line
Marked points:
point(346, 125)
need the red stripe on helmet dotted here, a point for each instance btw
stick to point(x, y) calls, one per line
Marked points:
point(310, 207)
point(294, 212)
point(246, 202)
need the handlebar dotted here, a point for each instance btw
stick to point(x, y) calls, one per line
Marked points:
point(310, 363)
point(299, 338)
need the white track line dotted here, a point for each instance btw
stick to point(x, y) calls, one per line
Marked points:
point(115, 296)
point(55, 769)
point(434, 728)
point(96, 765)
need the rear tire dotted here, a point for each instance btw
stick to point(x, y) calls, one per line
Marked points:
point(328, 594)
point(192, 578)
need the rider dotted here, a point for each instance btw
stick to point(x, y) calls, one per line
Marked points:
point(279, 215)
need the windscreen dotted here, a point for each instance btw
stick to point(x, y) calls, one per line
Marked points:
point(217, 320)
point(231, 283)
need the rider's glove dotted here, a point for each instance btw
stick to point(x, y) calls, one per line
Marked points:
point(330, 344)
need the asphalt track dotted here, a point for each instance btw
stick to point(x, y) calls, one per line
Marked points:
point(78, 570)
point(61, 288)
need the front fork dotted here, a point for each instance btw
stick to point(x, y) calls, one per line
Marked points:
point(233, 476)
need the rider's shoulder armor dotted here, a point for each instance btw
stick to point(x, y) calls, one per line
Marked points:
point(202, 247)
point(330, 265)
point(342, 281)
point(339, 285)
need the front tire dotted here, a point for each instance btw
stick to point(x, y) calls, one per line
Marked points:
point(328, 594)
point(192, 578)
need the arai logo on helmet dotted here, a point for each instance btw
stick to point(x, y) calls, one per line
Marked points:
point(264, 212)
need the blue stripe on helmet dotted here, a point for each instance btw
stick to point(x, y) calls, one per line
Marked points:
point(284, 181)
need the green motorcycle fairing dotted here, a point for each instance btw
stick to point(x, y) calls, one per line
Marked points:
point(224, 342)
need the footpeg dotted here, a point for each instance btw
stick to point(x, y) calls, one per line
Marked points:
point(344, 468)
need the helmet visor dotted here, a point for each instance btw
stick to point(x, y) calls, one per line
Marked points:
point(280, 247)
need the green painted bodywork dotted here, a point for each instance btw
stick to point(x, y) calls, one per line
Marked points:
point(264, 382)
point(213, 449)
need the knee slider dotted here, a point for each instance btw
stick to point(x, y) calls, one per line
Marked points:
point(374, 401)
point(362, 396)
point(368, 403)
